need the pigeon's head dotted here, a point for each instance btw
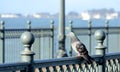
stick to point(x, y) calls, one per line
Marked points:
point(73, 37)
point(71, 34)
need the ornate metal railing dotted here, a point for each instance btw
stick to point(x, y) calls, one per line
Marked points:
point(14, 67)
point(72, 64)
point(102, 62)
point(46, 39)
point(65, 65)
point(10, 44)
point(86, 35)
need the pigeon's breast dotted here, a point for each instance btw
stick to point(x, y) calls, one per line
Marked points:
point(74, 46)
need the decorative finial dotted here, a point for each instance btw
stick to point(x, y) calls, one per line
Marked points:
point(100, 35)
point(29, 24)
point(2, 22)
point(70, 21)
point(89, 23)
point(52, 21)
point(27, 39)
point(107, 21)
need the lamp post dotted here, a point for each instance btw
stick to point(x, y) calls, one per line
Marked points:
point(62, 52)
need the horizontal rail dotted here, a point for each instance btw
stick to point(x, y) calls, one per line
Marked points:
point(67, 61)
point(85, 30)
point(39, 32)
point(14, 66)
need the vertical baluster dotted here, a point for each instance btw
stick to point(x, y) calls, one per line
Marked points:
point(54, 69)
point(89, 67)
point(107, 31)
point(77, 67)
point(3, 42)
point(47, 69)
point(100, 49)
point(27, 55)
point(52, 37)
point(93, 67)
point(118, 65)
point(70, 28)
point(112, 65)
point(71, 67)
point(114, 68)
point(86, 68)
point(61, 69)
point(115, 62)
point(74, 68)
point(52, 26)
point(109, 66)
point(89, 33)
point(29, 25)
point(40, 70)
point(68, 68)
point(82, 67)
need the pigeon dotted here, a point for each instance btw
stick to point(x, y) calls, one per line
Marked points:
point(79, 48)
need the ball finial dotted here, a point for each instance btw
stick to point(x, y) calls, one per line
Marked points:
point(70, 21)
point(99, 35)
point(27, 38)
point(28, 22)
point(52, 21)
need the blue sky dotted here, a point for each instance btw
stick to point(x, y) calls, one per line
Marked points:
point(52, 6)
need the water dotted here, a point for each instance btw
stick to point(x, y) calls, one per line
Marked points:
point(45, 22)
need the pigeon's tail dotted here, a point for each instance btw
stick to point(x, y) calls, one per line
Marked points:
point(88, 59)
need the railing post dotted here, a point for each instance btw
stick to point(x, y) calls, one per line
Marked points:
point(52, 27)
point(89, 34)
point(3, 42)
point(100, 49)
point(107, 31)
point(70, 28)
point(27, 55)
point(62, 51)
point(29, 25)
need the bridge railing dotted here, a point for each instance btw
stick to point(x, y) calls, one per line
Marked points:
point(14, 67)
point(102, 62)
point(10, 46)
point(86, 35)
point(72, 64)
point(46, 39)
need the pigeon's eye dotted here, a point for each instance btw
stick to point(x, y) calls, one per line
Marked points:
point(77, 46)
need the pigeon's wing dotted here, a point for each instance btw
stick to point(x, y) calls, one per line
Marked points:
point(74, 41)
point(83, 52)
point(79, 47)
